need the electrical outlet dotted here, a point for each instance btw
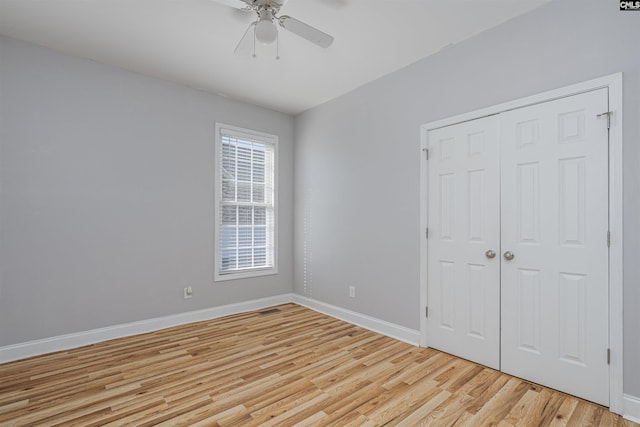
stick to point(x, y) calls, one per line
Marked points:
point(187, 292)
point(352, 291)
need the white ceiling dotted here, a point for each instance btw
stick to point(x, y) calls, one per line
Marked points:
point(191, 42)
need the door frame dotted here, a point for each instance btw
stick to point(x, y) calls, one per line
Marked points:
point(613, 83)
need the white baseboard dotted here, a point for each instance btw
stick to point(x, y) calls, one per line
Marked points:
point(410, 336)
point(631, 409)
point(80, 339)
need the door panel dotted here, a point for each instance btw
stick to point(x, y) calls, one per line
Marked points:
point(554, 193)
point(464, 221)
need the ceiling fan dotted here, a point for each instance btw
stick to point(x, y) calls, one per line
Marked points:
point(265, 29)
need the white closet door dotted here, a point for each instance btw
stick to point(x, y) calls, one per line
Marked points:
point(555, 222)
point(464, 224)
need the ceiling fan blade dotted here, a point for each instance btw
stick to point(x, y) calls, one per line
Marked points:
point(246, 44)
point(306, 31)
point(335, 3)
point(237, 4)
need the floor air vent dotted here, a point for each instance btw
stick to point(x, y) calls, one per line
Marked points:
point(270, 311)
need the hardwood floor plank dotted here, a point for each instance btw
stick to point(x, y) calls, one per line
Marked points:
point(564, 412)
point(545, 407)
point(585, 415)
point(293, 367)
point(401, 401)
point(420, 414)
point(450, 410)
point(78, 405)
point(486, 391)
point(501, 403)
point(519, 414)
point(346, 407)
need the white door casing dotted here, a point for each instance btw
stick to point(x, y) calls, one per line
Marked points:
point(554, 165)
point(464, 226)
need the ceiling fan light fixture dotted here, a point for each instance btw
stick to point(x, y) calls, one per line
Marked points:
point(266, 31)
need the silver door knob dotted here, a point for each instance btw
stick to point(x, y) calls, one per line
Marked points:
point(508, 255)
point(490, 254)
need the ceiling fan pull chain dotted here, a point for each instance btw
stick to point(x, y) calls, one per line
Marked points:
point(254, 41)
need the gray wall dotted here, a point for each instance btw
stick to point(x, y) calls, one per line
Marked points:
point(357, 157)
point(106, 203)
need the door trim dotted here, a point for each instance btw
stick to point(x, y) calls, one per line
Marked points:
point(614, 85)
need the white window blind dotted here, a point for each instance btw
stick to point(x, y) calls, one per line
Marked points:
point(245, 203)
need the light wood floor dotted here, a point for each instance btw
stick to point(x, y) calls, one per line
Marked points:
point(295, 367)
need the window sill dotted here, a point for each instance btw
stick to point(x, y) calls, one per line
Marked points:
point(244, 274)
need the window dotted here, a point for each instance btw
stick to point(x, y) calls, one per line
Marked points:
point(245, 203)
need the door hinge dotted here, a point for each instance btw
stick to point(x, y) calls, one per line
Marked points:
point(608, 356)
point(608, 239)
point(426, 233)
point(426, 153)
point(426, 311)
point(608, 115)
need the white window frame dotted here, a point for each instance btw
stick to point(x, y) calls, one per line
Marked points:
point(266, 138)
